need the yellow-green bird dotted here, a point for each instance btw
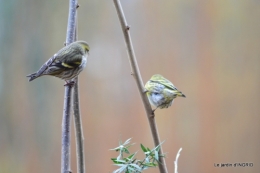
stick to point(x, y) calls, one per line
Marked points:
point(161, 92)
point(66, 64)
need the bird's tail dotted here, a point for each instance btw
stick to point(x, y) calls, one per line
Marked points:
point(179, 93)
point(32, 76)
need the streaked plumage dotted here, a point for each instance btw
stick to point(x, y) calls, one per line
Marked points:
point(66, 64)
point(161, 92)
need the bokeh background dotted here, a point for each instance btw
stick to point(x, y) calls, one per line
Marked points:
point(208, 48)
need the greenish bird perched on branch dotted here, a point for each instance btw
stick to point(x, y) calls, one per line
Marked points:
point(161, 92)
point(66, 64)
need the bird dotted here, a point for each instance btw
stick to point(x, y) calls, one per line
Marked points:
point(66, 64)
point(161, 92)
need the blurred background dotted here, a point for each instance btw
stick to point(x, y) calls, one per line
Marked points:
point(208, 49)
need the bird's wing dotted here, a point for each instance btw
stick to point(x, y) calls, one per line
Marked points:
point(73, 61)
point(45, 66)
point(154, 87)
point(69, 58)
point(166, 83)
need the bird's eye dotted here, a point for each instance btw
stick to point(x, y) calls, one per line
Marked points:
point(156, 93)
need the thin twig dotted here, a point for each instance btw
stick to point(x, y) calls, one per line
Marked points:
point(78, 127)
point(77, 121)
point(65, 151)
point(137, 76)
point(71, 28)
point(176, 161)
point(78, 130)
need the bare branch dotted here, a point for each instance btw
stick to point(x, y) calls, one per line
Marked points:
point(65, 148)
point(137, 76)
point(65, 151)
point(78, 130)
point(176, 161)
point(77, 120)
point(71, 22)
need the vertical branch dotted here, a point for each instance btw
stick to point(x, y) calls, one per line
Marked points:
point(176, 161)
point(78, 130)
point(65, 148)
point(71, 27)
point(65, 142)
point(137, 76)
point(78, 124)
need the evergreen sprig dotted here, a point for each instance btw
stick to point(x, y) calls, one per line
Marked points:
point(129, 164)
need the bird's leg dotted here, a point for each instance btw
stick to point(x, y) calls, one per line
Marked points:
point(70, 83)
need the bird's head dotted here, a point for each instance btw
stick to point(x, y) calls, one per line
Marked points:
point(84, 45)
point(157, 77)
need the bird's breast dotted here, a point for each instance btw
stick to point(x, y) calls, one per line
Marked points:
point(156, 99)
